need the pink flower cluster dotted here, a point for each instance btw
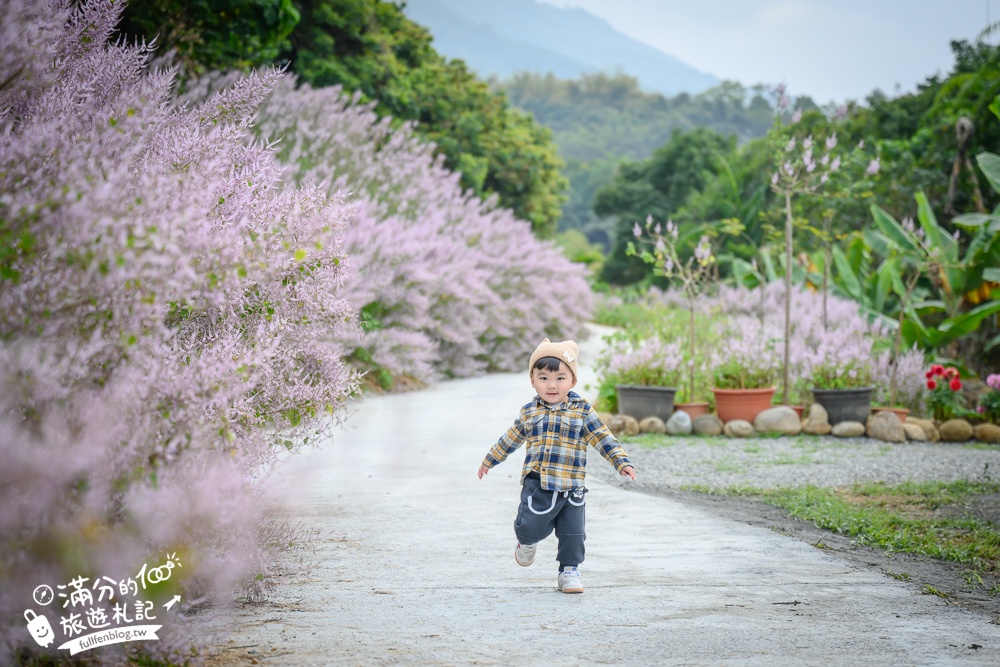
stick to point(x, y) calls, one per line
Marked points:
point(170, 313)
point(447, 285)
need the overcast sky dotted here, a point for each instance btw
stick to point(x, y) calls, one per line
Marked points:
point(832, 50)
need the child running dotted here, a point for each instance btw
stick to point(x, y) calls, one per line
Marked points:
point(557, 426)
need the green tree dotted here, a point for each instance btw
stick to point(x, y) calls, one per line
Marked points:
point(371, 47)
point(213, 34)
point(658, 187)
point(599, 119)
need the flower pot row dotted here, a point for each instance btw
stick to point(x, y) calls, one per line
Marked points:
point(841, 404)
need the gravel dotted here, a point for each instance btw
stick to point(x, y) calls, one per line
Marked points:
point(721, 463)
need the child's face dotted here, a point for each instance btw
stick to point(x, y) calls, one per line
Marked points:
point(552, 386)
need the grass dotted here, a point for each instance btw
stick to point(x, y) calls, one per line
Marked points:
point(921, 518)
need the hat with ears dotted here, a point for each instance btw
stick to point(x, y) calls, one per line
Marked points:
point(567, 352)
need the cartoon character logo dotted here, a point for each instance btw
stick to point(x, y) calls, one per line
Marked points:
point(39, 628)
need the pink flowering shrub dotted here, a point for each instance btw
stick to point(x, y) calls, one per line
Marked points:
point(910, 369)
point(446, 284)
point(841, 355)
point(169, 318)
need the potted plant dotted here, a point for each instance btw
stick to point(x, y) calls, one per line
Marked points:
point(944, 399)
point(745, 369)
point(838, 372)
point(909, 382)
point(843, 388)
point(643, 375)
point(989, 403)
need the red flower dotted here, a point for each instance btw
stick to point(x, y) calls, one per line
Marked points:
point(931, 384)
point(951, 372)
point(928, 375)
point(955, 385)
point(937, 370)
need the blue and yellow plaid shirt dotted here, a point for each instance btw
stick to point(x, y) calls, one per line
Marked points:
point(557, 437)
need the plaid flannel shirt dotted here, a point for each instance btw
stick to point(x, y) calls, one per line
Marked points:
point(557, 437)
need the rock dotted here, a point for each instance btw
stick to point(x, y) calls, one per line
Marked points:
point(631, 425)
point(928, 426)
point(781, 419)
point(615, 424)
point(816, 429)
point(652, 425)
point(738, 428)
point(707, 425)
point(679, 423)
point(818, 421)
point(987, 433)
point(915, 432)
point(818, 417)
point(849, 430)
point(956, 430)
point(885, 426)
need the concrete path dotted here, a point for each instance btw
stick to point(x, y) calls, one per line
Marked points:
point(414, 565)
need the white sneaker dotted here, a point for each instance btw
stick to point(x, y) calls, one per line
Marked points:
point(525, 555)
point(569, 581)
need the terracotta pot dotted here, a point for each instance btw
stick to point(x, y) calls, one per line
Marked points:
point(899, 412)
point(641, 401)
point(799, 410)
point(693, 409)
point(745, 404)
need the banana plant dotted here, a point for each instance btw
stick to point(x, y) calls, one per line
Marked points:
point(929, 251)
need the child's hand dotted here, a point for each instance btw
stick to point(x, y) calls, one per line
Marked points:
point(483, 470)
point(628, 471)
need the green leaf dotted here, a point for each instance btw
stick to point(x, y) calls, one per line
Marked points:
point(990, 222)
point(300, 255)
point(966, 323)
point(845, 272)
point(744, 273)
point(884, 283)
point(892, 232)
point(990, 164)
point(769, 272)
point(937, 236)
point(992, 275)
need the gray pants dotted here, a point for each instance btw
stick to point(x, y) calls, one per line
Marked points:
point(543, 511)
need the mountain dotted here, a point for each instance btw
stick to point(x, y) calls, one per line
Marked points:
point(501, 37)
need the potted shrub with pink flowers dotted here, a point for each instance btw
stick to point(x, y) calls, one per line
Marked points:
point(640, 377)
point(746, 367)
point(837, 370)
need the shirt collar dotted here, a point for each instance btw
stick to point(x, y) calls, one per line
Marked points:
point(571, 398)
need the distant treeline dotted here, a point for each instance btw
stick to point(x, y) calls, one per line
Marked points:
point(600, 119)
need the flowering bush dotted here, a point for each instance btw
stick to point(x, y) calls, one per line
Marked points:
point(168, 318)
point(652, 362)
point(989, 403)
point(447, 285)
point(852, 374)
point(943, 398)
point(746, 358)
point(910, 379)
point(838, 356)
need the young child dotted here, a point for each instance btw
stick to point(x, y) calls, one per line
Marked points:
point(557, 426)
